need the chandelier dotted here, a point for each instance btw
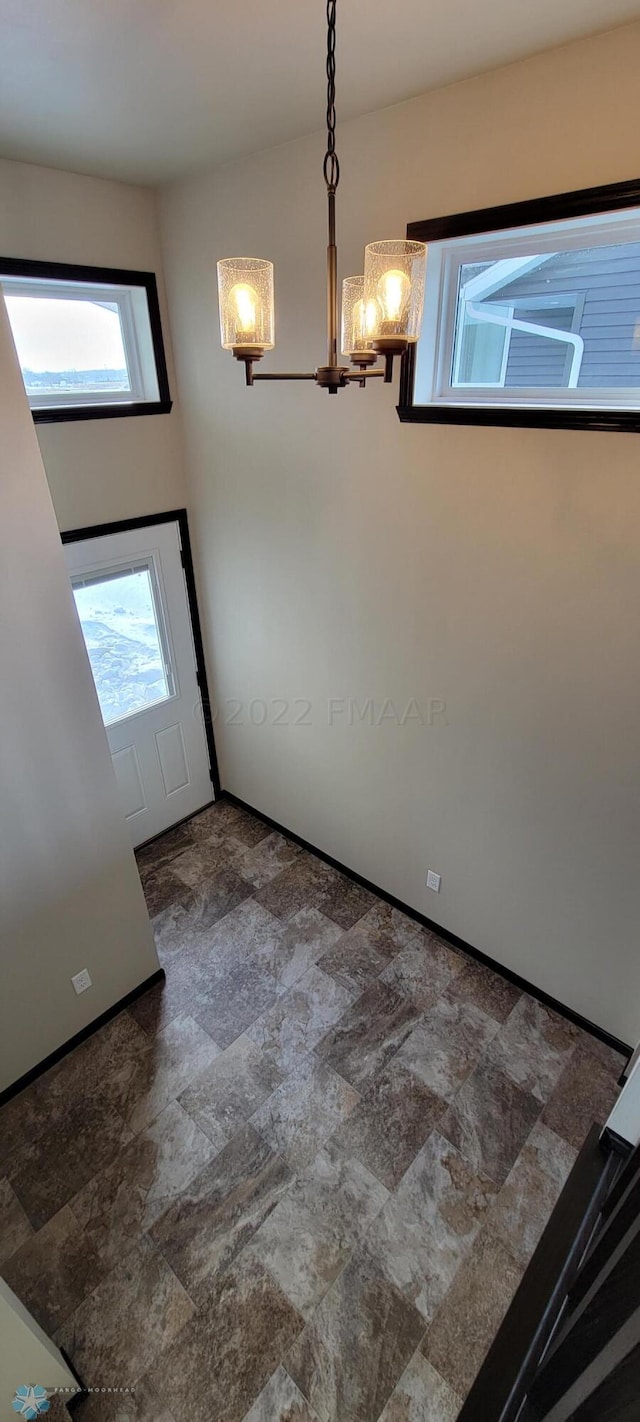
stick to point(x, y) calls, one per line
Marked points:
point(381, 311)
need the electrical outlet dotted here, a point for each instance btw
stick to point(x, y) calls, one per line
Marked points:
point(82, 981)
point(433, 881)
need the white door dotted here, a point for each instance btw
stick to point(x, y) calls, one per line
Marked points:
point(131, 598)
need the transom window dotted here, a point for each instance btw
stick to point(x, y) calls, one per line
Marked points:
point(88, 344)
point(532, 322)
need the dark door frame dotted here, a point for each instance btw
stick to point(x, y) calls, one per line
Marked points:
point(179, 516)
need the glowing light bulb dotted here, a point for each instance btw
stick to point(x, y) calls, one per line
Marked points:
point(365, 320)
point(245, 300)
point(394, 291)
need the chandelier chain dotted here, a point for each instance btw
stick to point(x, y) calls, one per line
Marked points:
point(331, 165)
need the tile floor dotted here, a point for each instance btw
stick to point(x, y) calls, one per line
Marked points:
point(299, 1182)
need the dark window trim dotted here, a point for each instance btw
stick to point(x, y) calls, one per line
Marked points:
point(584, 202)
point(179, 516)
point(116, 276)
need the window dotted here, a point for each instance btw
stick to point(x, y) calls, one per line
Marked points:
point(532, 315)
point(123, 628)
point(88, 340)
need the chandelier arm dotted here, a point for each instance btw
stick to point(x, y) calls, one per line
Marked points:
point(284, 375)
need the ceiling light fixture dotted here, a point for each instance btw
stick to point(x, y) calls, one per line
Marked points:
point(381, 311)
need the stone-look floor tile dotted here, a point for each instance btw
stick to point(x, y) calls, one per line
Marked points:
point(300, 944)
point(309, 1236)
point(295, 888)
point(356, 1345)
point(391, 1123)
point(163, 888)
point(96, 1067)
point(124, 1324)
point(586, 1093)
point(218, 820)
point(424, 970)
point(281, 1401)
point(302, 1114)
point(105, 1062)
point(54, 1271)
point(227, 1001)
point(358, 958)
point(174, 930)
point(221, 1209)
point(88, 1137)
point(180, 1052)
point(530, 1192)
point(301, 1018)
point(533, 1047)
point(368, 1035)
point(15, 1228)
point(391, 927)
point(262, 862)
point(141, 1404)
point(422, 1396)
point(224, 1357)
point(446, 1045)
point(428, 1226)
point(161, 851)
point(20, 1125)
point(616, 1062)
point(249, 933)
point(470, 1316)
point(486, 989)
point(163, 1002)
point(212, 899)
point(206, 858)
point(229, 1091)
point(119, 1203)
point(344, 901)
point(490, 1120)
point(248, 829)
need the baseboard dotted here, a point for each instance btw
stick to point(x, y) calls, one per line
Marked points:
point(603, 1036)
point(88, 1031)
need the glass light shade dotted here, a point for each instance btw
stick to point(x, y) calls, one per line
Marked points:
point(358, 324)
point(394, 278)
point(245, 290)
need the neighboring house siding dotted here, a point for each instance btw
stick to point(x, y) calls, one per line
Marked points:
point(606, 283)
point(536, 360)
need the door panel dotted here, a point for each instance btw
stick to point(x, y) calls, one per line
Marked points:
point(132, 603)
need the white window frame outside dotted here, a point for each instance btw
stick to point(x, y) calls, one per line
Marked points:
point(122, 297)
point(519, 246)
point(135, 295)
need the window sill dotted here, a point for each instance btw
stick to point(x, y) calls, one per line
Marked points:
point(613, 420)
point(63, 413)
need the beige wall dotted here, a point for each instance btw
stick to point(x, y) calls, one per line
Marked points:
point(343, 555)
point(26, 1352)
point(70, 895)
point(98, 470)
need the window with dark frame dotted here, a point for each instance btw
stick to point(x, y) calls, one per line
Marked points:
point(88, 339)
point(532, 315)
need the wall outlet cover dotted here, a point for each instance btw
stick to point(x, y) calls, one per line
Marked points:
point(433, 881)
point(82, 981)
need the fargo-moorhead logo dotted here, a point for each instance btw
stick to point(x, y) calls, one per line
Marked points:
point(31, 1402)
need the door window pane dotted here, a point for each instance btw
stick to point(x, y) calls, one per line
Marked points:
point(123, 637)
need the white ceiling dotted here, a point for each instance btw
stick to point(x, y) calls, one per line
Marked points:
point(148, 89)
